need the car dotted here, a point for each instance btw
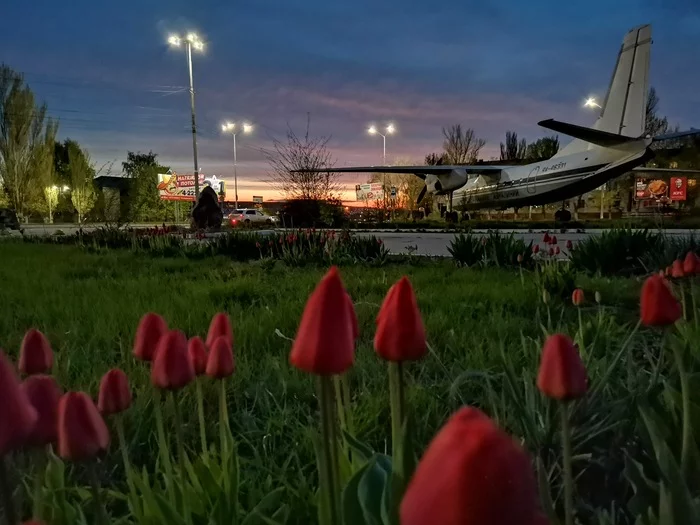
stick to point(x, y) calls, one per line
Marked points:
point(8, 219)
point(249, 216)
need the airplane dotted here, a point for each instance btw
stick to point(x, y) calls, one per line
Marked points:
point(615, 145)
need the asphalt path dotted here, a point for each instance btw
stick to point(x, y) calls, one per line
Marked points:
point(434, 244)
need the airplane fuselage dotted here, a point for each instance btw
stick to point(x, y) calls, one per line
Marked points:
point(552, 180)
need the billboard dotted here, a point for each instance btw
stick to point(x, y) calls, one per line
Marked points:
point(369, 192)
point(257, 199)
point(174, 187)
point(679, 188)
point(650, 189)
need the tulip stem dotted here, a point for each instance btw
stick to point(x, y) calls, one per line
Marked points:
point(180, 452)
point(329, 444)
point(223, 419)
point(616, 359)
point(200, 411)
point(397, 402)
point(566, 459)
point(100, 515)
point(163, 445)
point(685, 396)
point(685, 313)
point(119, 423)
point(10, 512)
point(40, 469)
point(580, 328)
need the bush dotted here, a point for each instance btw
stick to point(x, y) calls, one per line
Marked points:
point(493, 249)
point(617, 252)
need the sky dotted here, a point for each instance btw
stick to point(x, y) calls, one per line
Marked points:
point(106, 71)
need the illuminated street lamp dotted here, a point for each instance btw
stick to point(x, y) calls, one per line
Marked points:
point(230, 127)
point(591, 103)
point(387, 131)
point(190, 41)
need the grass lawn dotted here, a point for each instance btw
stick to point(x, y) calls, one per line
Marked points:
point(478, 323)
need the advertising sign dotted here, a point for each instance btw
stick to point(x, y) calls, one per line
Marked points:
point(174, 187)
point(369, 192)
point(679, 188)
point(257, 199)
point(650, 189)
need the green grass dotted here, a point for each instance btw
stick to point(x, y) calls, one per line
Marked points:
point(89, 304)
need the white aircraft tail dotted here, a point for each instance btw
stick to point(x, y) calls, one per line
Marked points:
point(624, 108)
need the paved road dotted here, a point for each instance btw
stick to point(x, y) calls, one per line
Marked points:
point(419, 243)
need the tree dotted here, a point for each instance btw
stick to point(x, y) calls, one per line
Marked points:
point(26, 142)
point(435, 159)
point(407, 185)
point(542, 149)
point(82, 179)
point(512, 149)
point(654, 124)
point(461, 146)
point(294, 166)
point(144, 203)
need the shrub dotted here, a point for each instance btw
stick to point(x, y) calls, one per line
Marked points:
point(495, 249)
point(616, 252)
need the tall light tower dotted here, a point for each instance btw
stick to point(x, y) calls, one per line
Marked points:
point(190, 41)
point(390, 129)
point(230, 127)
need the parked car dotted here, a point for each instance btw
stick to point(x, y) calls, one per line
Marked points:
point(248, 216)
point(8, 219)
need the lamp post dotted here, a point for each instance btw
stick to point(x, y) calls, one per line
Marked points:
point(387, 131)
point(230, 127)
point(190, 41)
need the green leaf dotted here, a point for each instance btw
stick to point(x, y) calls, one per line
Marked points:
point(364, 451)
point(268, 503)
point(170, 516)
point(352, 510)
point(371, 488)
point(546, 492)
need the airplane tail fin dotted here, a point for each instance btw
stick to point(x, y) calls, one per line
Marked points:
point(624, 109)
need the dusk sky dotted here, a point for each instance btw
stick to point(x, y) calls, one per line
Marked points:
point(106, 71)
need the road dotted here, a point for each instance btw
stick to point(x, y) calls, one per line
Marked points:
point(418, 243)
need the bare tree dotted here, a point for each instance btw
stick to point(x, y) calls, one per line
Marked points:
point(654, 124)
point(435, 159)
point(512, 149)
point(294, 166)
point(407, 185)
point(26, 141)
point(461, 146)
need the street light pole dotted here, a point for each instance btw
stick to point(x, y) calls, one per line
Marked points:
point(190, 41)
point(374, 131)
point(231, 127)
point(194, 125)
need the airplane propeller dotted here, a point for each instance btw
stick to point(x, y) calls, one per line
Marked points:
point(422, 193)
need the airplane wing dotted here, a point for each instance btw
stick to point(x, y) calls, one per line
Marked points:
point(419, 171)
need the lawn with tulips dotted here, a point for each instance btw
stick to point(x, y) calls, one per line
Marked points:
point(249, 440)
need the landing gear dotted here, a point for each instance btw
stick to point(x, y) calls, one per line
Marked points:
point(562, 216)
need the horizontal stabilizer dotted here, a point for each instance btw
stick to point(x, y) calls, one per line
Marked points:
point(594, 136)
point(665, 170)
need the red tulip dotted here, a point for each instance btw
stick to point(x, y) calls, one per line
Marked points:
point(197, 351)
point(151, 328)
point(546, 239)
point(82, 432)
point(551, 252)
point(557, 251)
point(658, 306)
point(387, 297)
point(569, 245)
point(35, 355)
point(220, 361)
point(353, 316)
point(536, 248)
point(115, 394)
point(562, 375)
point(324, 344)
point(578, 297)
point(220, 326)
point(553, 240)
point(677, 269)
point(400, 333)
point(690, 264)
point(472, 473)
point(17, 415)
point(43, 393)
point(172, 368)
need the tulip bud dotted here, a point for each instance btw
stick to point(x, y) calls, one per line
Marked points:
point(82, 432)
point(562, 375)
point(44, 394)
point(220, 360)
point(151, 328)
point(577, 298)
point(35, 355)
point(115, 394)
point(172, 368)
point(197, 352)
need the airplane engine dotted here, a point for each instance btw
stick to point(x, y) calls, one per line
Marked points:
point(441, 184)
